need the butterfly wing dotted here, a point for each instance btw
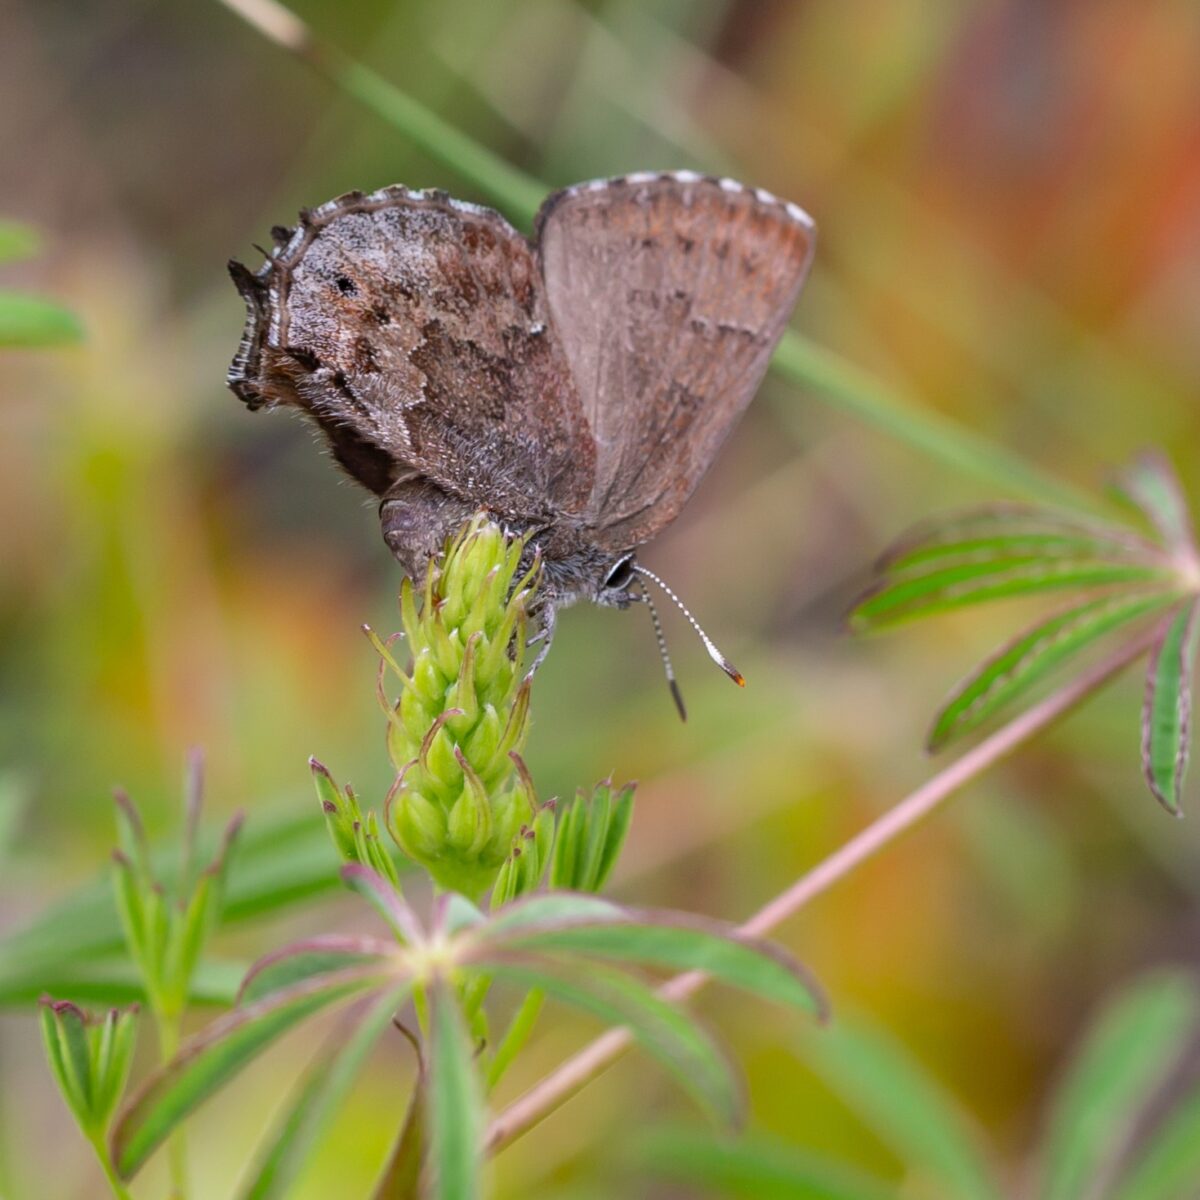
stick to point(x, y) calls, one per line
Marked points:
point(668, 293)
point(414, 330)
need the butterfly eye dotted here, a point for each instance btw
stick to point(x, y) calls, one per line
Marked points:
point(621, 574)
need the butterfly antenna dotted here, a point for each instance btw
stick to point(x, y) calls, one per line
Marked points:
point(661, 638)
point(709, 644)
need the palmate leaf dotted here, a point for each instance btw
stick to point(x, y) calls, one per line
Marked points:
point(666, 1032)
point(756, 1167)
point(905, 1107)
point(455, 1112)
point(219, 1052)
point(325, 1086)
point(673, 941)
point(1167, 712)
point(1016, 667)
point(1127, 1056)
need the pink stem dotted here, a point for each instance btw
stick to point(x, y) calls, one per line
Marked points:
point(579, 1070)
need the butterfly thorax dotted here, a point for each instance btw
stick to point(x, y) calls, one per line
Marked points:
point(418, 518)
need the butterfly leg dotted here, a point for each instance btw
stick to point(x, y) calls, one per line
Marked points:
point(547, 618)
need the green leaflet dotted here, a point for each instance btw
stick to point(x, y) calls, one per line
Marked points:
point(1166, 714)
point(964, 583)
point(662, 1029)
point(1153, 486)
point(313, 957)
point(1020, 664)
point(905, 1107)
point(677, 943)
point(1062, 545)
point(326, 1085)
point(758, 1167)
point(210, 1060)
point(552, 908)
point(456, 1113)
point(1125, 1059)
point(1168, 1165)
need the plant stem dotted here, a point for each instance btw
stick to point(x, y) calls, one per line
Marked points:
point(169, 1034)
point(507, 186)
point(852, 390)
point(571, 1076)
point(119, 1190)
point(839, 382)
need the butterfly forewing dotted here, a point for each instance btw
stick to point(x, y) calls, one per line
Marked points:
point(668, 293)
point(415, 330)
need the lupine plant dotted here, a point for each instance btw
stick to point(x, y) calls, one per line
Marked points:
point(463, 815)
point(1120, 579)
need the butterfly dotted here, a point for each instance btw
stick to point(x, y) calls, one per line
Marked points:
point(577, 386)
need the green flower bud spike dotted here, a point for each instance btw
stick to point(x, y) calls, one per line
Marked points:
point(462, 796)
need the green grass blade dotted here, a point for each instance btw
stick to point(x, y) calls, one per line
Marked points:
point(679, 942)
point(1127, 1055)
point(1167, 712)
point(1168, 1166)
point(756, 1167)
point(326, 1085)
point(456, 1112)
point(1016, 667)
point(959, 584)
point(906, 1108)
point(30, 321)
point(663, 1030)
point(850, 389)
point(211, 1059)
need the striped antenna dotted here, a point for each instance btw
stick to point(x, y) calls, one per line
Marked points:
point(709, 644)
point(660, 637)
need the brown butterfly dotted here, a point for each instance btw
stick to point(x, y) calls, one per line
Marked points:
point(577, 386)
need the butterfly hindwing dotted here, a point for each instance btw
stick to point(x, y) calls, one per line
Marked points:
point(668, 293)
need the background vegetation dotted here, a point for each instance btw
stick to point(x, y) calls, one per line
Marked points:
point(1006, 194)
